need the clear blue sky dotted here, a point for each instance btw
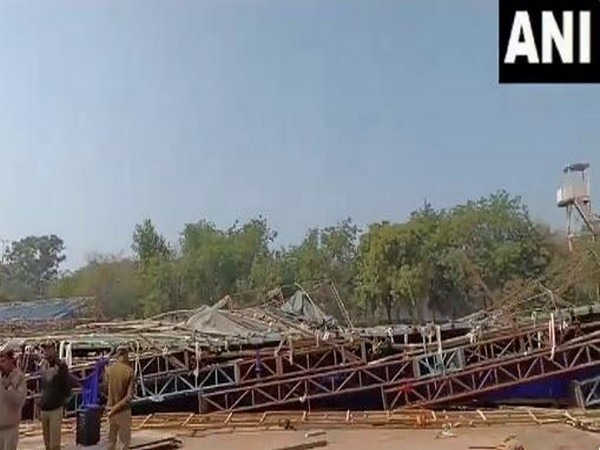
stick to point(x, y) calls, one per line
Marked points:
point(305, 111)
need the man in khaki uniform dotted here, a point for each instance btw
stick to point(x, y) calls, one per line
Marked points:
point(57, 388)
point(119, 386)
point(13, 391)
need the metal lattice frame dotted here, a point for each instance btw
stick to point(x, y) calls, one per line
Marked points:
point(587, 393)
point(382, 374)
point(285, 376)
point(169, 383)
point(308, 387)
point(174, 374)
point(495, 375)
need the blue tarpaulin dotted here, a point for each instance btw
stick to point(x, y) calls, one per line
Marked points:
point(92, 384)
point(554, 388)
point(42, 310)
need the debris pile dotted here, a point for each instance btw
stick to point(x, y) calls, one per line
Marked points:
point(290, 355)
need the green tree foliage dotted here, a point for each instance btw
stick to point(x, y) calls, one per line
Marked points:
point(148, 245)
point(32, 263)
point(485, 253)
point(482, 246)
point(453, 261)
point(218, 262)
point(116, 284)
point(325, 255)
point(158, 269)
point(393, 269)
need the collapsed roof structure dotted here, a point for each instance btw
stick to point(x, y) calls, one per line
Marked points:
point(289, 352)
point(44, 310)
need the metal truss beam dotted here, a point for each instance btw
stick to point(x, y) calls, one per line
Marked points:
point(159, 387)
point(172, 375)
point(493, 376)
point(309, 387)
point(587, 393)
point(387, 373)
point(286, 376)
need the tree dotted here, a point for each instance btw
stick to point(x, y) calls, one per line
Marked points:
point(485, 253)
point(219, 262)
point(485, 244)
point(325, 255)
point(158, 267)
point(392, 270)
point(114, 282)
point(306, 262)
point(148, 245)
point(450, 262)
point(34, 262)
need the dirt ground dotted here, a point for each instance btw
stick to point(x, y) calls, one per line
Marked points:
point(548, 437)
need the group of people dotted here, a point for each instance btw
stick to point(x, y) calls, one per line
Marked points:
point(57, 386)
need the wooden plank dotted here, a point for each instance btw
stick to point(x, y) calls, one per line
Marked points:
point(305, 445)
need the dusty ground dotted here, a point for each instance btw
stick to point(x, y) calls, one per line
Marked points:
point(533, 438)
point(548, 437)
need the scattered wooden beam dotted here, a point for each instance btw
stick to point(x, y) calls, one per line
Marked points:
point(187, 423)
point(305, 445)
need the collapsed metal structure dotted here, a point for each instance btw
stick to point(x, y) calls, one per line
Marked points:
point(289, 354)
point(292, 356)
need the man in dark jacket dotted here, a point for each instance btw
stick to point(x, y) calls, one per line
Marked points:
point(57, 386)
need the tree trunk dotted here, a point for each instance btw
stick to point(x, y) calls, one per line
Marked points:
point(388, 308)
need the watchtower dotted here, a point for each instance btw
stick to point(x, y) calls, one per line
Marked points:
point(574, 195)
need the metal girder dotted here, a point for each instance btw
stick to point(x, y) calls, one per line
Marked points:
point(176, 383)
point(309, 387)
point(289, 362)
point(521, 343)
point(587, 392)
point(493, 376)
point(285, 376)
point(439, 363)
point(170, 375)
point(385, 373)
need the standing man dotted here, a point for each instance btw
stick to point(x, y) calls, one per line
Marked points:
point(13, 391)
point(119, 385)
point(57, 387)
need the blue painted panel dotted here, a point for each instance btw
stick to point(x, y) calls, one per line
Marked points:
point(558, 387)
point(43, 310)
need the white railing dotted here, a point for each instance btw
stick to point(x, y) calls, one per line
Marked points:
point(572, 192)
